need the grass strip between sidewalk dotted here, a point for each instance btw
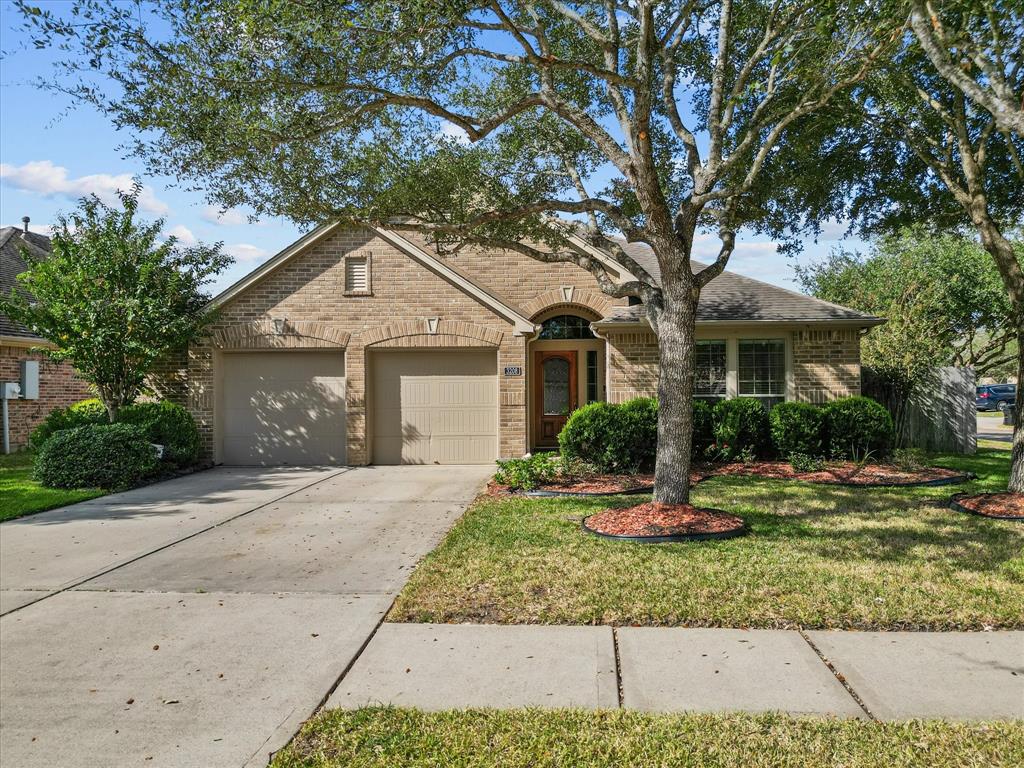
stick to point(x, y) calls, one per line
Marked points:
point(530, 738)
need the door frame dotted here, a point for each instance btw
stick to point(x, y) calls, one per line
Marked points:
point(539, 356)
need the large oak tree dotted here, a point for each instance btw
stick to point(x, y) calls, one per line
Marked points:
point(502, 124)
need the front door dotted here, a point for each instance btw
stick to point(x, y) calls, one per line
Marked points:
point(554, 394)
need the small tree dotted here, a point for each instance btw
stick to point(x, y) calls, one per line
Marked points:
point(112, 297)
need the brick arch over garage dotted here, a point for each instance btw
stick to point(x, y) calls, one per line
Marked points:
point(569, 297)
point(418, 333)
point(293, 334)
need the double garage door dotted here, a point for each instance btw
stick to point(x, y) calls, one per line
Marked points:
point(430, 407)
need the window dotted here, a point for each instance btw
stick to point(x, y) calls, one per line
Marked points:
point(357, 275)
point(566, 327)
point(762, 370)
point(591, 375)
point(711, 370)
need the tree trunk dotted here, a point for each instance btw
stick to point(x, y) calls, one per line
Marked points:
point(1016, 483)
point(677, 350)
point(1002, 252)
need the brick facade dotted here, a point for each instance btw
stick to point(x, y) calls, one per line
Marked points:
point(59, 387)
point(302, 304)
point(826, 364)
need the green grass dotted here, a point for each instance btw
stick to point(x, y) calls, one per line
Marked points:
point(388, 737)
point(21, 495)
point(816, 557)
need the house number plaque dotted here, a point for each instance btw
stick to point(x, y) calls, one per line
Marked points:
point(513, 370)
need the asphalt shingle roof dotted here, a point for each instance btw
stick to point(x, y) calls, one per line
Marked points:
point(12, 240)
point(733, 297)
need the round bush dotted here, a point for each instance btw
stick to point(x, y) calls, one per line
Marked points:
point(703, 428)
point(796, 428)
point(169, 425)
point(857, 427)
point(741, 428)
point(632, 447)
point(95, 456)
point(77, 415)
point(612, 438)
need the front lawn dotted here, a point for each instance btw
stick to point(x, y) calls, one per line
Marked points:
point(21, 495)
point(817, 557)
point(530, 738)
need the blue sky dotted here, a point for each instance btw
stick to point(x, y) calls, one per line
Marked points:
point(52, 153)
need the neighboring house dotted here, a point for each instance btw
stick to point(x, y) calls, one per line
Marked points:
point(366, 346)
point(59, 383)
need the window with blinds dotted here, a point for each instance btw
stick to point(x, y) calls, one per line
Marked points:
point(357, 274)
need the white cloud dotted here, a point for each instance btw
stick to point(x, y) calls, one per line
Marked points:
point(183, 233)
point(453, 132)
point(246, 252)
point(44, 178)
point(231, 217)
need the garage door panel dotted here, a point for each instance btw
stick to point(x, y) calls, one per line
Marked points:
point(446, 410)
point(283, 408)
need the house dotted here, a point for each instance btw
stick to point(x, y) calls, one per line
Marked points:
point(59, 383)
point(363, 345)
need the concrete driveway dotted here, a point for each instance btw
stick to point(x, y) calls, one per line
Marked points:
point(198, 622)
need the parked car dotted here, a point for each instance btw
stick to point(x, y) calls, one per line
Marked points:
point(994, 397)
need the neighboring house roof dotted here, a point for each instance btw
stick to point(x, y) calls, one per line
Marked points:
point(728, 298)
point(12, 264)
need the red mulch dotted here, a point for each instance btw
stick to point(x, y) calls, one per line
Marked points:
point(994, 504)
point(657, 519)
point(594, 484)
point(844, 472)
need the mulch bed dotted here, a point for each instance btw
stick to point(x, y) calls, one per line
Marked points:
point(848, 473)
point(999, 506)
point(655, 522)
point(593, 485)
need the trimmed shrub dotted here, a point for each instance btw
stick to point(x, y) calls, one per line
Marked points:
point(741, 428)
point(612, 438)
point(703, 428)
point(586, 434)
point(76, 415)
point(527, 473)
point(796, 428)
point(858, 427)
point(801, 462)
point(634, 444)
point(169, 425)
point(95, 456)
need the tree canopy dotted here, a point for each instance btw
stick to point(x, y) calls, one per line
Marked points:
point(113, 297)
point(942, 296)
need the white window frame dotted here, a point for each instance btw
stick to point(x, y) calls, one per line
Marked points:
point(784, 394)
point(732, 354)
point(725, 394)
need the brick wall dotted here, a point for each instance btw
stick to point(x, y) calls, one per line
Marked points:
point(632, 365)
point(59, 386)
point(826, 364)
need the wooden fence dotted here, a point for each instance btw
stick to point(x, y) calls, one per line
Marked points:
point(940, 416)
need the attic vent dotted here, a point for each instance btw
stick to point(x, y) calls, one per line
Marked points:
point(357, 274)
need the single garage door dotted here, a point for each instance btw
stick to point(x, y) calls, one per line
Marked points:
point(435, 407)
point(283, 408)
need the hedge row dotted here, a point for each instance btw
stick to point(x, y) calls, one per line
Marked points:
point(623, 438)
point(78, 447)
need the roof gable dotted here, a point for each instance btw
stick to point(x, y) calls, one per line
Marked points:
point(12, 264)
point(436, 265)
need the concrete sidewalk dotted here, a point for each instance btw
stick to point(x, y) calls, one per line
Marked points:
point(883, 675)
